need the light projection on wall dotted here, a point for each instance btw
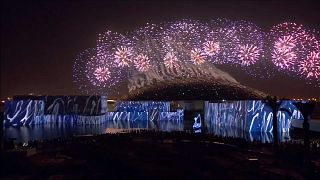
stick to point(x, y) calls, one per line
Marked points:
point(54, 109)
point(145, 110)
point(252, 115)
point(22, 112)
point(197, 124)
point(84, 110)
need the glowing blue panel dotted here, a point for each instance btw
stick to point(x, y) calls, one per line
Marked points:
point(253, 115)
point(129, 106)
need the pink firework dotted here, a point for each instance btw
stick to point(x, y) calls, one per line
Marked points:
point(211, 48)
point(311, 66)
point(197, 56)
point(283, 55)
point(287, 43)
point(122, 56)
point(248, 54)
point(142, 63)
point(284, 60)
point(102, 74)
point(170, 60)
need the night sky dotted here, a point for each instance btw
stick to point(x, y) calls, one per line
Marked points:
point(40, 39)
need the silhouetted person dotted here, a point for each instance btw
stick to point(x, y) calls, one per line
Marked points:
point(306, 109)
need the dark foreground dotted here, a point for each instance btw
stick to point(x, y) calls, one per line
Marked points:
point(159, 155)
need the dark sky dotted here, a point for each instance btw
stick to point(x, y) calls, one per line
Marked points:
point(40, 39)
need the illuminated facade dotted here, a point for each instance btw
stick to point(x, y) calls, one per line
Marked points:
point(83, 110)
point(250, 115)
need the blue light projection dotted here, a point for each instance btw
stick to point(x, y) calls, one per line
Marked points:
point(156, 125)
point(82, 110)
point(197, 124)
point(145, 110)
point(252, 116)
point(54, 109)
point(22, 112)
point(142, 106)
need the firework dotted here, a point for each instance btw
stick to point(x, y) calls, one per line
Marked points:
point(94, 75)
point(310, 67)
point(250, 47)
point(146, 51)
point(197, 56)
point(211, 48)
point(83, 73)
point(170, 60)
point(116, 45)
point(102, 74)
point(289, 42)
point(178, 48)
point(97, 72)
point(182, 37)
point(284, 59)
point(123, 56)
point(142, 63)
point(220, 42)
point(248, 54)
point(283, 54)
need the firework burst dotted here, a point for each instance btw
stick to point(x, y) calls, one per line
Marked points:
point(251, 44)
point(292, 43)
point(223, 38)
point(102, 74)
point(142, 63)
point(170, 60)
point(310, 67)
point(184, 45)
point(211, 48)
point(114, 43)
point(123, 56)
point(197, 56)
point(95, 75)
point(283, 54)
point(248, 54)
point(183, 36)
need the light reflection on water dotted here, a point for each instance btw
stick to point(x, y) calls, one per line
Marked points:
point(51, 131)
point(229, 131)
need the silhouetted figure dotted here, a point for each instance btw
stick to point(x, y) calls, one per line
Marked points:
point(306, 109)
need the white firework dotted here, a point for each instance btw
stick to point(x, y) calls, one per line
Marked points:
point(211, 48)
point(102, 74)
point(170, 60)
point(197, 56)
point(122, 56)
point(142, 63)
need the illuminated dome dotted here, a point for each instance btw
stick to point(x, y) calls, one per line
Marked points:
point(209, 83)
